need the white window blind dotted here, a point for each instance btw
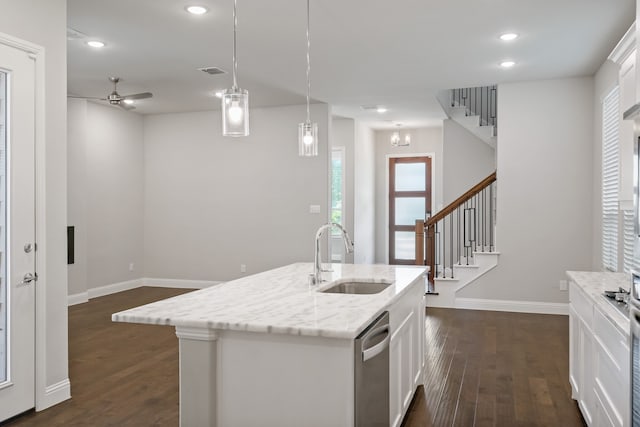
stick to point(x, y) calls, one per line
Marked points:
point(610, 179)
point(629, 262)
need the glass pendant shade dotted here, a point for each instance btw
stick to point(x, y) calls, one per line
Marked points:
point(395, 139)
point(308, 139)
point(235, 112)
point(407, 139)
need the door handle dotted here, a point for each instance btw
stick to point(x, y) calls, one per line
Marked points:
point(28, 278)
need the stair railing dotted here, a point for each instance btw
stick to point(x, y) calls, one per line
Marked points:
point(478, 101)
point(451, 236)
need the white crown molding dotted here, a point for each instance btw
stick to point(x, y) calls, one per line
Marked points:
point(625, 46)
point(196, 334)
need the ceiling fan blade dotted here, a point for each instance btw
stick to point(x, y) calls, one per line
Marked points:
point(87, 97)
point(126, 107)
point(138, 95)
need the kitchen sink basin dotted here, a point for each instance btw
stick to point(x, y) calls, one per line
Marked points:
point(356, 287)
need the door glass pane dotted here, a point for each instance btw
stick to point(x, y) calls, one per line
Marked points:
point(410, 176)
point(4, 298)
point(408, 209)
point(405, 245)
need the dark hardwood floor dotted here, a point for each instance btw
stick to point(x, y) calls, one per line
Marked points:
point(121, 374)
point(483, 369)
point(488, 368)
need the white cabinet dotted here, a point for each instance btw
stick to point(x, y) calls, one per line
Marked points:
point(406, 352)
point(611, 368)
point(581, 352)
point(598, 363)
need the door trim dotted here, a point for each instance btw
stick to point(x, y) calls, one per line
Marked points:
point(386, 193)
point(43, 395)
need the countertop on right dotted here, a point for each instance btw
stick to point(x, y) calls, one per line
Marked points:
point(594, 283)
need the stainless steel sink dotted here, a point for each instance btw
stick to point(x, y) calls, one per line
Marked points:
point(356, 287)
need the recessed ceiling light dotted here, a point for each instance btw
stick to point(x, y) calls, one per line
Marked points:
point(381, 110)
point(507, 64)
point(128, 101)
point(196, 10)
point(508, 36)
point(95, 43)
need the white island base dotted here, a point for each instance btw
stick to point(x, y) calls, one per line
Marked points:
point(251, 378)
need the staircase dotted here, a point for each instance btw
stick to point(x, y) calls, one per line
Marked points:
point(474, 108)
point(458, 243)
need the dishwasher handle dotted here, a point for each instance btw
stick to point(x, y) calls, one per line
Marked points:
point(372, 352)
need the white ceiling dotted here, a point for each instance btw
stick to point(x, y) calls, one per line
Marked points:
point(393, 53)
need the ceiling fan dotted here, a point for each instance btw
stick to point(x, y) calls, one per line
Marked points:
point(114, 98)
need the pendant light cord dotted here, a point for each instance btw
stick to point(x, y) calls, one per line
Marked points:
point(235, 60)
point(308, 65)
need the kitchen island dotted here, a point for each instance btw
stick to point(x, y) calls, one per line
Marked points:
point(270, 349)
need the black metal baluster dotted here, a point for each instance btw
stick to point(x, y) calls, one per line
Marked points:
point(436, 255)
point(458, 236)
point(444, 247)
point(451, 237)
point(491, 218)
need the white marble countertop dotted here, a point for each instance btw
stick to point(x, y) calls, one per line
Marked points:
point(281, 301)
point(594, 283)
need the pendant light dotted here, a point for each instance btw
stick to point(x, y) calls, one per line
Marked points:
point(307, 131)
point(235, 101)
point(396, 139)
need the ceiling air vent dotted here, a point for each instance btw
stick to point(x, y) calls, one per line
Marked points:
point(212, 70)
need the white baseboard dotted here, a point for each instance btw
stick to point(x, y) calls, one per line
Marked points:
point(78, 298)
point(137, 283)
point(54, 394)
point(113, 288)
point(537, 307)
point(179, 283)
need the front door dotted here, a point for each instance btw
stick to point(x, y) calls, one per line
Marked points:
point(409, 199)
point(17, 231)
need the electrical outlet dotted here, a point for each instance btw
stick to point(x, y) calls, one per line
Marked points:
point(131, 266)
point(243, 268)
point(563, 285)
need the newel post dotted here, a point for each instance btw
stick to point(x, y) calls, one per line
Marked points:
point(419, 242)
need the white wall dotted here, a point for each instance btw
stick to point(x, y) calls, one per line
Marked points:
point(467, 160)
point(115, 204)
point(77, 189)
point(364, 195)
point(545, 199)
point(43, 22)
point(423, 140)
point(343, 135)
point(213, 203)
point(106, 194)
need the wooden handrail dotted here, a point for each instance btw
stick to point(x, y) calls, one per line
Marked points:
point(426, 230)
point(460, 200)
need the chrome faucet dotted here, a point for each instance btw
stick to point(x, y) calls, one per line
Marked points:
point(316, 277)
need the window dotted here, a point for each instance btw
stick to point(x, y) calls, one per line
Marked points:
point(337, 185)
point(610, 178)
point(337, 203)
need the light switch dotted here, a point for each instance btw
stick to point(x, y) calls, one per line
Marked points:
point(314, 209)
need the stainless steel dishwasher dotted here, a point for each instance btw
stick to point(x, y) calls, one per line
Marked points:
point(372, 374)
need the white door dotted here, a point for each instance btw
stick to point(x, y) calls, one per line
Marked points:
point(17, 231)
